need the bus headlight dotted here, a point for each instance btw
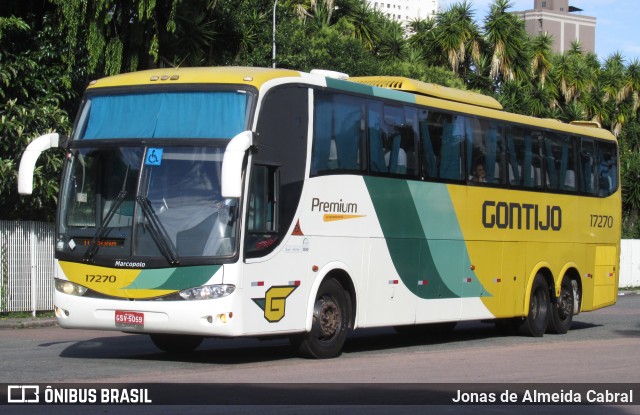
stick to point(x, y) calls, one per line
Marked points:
point(68, 287)
point(207, 292)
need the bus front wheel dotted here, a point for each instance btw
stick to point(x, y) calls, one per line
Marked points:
point(536, 322)
point(330, 326)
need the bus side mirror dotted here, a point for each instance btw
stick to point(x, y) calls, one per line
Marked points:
point(30, 156)
point(232, 163)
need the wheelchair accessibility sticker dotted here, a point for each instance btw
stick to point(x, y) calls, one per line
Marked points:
point(154, 157)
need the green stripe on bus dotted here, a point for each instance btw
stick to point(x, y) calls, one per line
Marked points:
point(371, 90)
point(174, 278)
point(349, 86)
point(425, 244)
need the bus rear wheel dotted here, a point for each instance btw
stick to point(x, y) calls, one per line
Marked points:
point(536, 322)
point(562, 310)
point(330, 327)
point(176, 344)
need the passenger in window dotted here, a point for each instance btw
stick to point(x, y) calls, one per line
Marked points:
point(479, 173)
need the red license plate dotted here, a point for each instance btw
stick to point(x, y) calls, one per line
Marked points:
point(129, 319)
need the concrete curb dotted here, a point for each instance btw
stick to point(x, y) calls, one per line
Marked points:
point(27, 323)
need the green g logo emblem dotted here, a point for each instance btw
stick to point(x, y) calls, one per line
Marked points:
point(274, 302)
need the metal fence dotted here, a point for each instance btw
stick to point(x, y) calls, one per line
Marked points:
point(630, 263)
point(26, 266)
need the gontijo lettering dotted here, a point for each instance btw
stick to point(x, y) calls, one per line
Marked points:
point(528, 216)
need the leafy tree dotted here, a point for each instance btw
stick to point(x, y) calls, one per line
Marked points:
point(119, 35)
point(630, 178)
point(304, 48)
point(33, 88)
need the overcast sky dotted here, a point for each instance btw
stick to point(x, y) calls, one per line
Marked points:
point(617, 22)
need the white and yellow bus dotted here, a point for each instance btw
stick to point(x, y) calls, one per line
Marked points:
point(267, 202)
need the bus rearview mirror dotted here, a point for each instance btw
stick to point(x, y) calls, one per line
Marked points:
point(29, 158)
point(232, 164)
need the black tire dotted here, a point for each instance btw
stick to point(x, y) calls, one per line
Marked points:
point(176, 344)
point(330, 327)
point(562, 310)
point(536, 322)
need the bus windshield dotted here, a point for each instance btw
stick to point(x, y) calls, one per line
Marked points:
point(153, 203)
point(142, 181)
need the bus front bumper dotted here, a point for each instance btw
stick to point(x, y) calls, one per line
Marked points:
point(215, 317)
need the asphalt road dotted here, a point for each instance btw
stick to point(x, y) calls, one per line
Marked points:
point(600, 349)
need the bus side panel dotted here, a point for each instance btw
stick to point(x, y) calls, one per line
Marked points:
point(605, 282)
point(276, 289)
point(386, 299)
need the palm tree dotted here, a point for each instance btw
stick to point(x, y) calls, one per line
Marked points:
point(631, 86)
point(195, 31)
point(506, 34)
point(393, 44)
point(366, 22)
point(541, 55)
point(457, 35)
point(479, 79)
point(612, 78)
point(319, 10)
point(422, 37)
point(574, 111)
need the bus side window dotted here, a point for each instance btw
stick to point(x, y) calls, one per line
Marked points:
point(338, 133)
point(376, 138)
point(607, 169)
point(398, 140)
point(262, 220)
point(428, 156)
point(559, 157)
point(322, 134)
point(484, 140)
point(347, 122)
point(515, 155)
point(453, 134)
point(533, 160)
point(587, 167)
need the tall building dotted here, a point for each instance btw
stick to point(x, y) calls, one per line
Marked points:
point(406, 10)
point(563, 22)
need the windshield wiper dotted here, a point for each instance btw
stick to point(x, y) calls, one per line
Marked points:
point(102, 230)
point(158, 231)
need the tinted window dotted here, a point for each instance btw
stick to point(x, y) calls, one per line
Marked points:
point(338, 133)
point(560, 164)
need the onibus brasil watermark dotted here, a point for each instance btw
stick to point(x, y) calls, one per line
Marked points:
point(36, 394)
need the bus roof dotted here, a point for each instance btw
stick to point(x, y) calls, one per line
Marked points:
point(418, 92)
point(212, 75)
point(432, 90)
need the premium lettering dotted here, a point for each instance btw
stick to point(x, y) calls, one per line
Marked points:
point(333, 207)
point(527, 216)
